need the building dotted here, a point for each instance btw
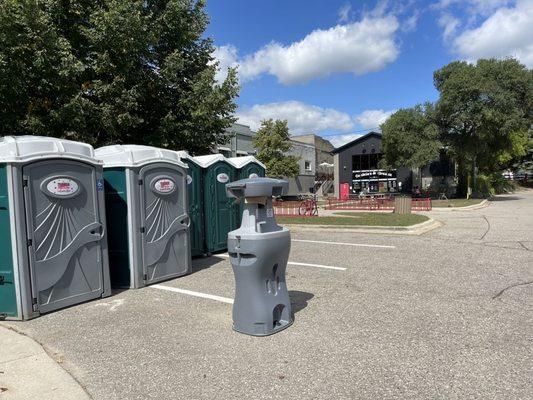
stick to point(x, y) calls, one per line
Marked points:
point(240, 143)
point(323, 161)
point(357, 164)
point(323, 148)
point(313, 152)
point(304, 182)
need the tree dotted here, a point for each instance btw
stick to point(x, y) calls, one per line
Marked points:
point(484, 113)
point(272, 142)
point(410, 138)
point(112, 71)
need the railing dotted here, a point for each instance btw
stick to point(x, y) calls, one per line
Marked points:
point(370, 204)
point(375, 204)
point(290, 209)
point(421, 204)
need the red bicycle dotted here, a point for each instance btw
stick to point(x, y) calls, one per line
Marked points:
point(309, 206)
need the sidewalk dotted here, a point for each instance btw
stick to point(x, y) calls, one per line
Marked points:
point(27, 372)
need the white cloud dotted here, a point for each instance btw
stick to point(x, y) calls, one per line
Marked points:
point(450, 24)
point(226, 57)
point(482, 7)
point(359, 47)
point(302, 118)
point(344, 12)
point(508, 32)
point(371, 119)
point(338, 141)
point(409, 25)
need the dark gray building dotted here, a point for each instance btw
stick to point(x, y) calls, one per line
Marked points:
point(240, 143)
point(357, 164)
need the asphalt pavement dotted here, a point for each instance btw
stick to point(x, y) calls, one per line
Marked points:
point(445, 315)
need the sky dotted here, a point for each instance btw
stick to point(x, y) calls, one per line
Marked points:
point(340, 68)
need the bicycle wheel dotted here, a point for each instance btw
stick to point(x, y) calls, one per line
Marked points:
point(302, 210)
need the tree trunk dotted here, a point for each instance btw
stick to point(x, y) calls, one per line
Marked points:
point(462, 175)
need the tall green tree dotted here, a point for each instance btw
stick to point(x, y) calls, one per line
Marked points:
point(112, 71)
point(272, 143)
point(410, 138)
point(484, 112)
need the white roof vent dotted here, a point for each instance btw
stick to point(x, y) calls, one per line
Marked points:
point(240, 162)
point(132, 155)
point(206, 161)
point(15, 149)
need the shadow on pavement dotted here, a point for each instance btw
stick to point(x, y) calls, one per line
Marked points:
point(299, 300)
point(506, 198)
point(201, 263)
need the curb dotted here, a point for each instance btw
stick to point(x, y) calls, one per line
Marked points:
point(29, 372)
point(416, 230)
point(485, 203)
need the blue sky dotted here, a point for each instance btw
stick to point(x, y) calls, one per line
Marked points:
point(336, 67)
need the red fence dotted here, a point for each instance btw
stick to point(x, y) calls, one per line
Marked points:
point(375, 204)
point(421, 204)
point(370, 204)
point(290, 209)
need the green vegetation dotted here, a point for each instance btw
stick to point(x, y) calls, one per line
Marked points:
point(410, 138)
point(455, 202)
point(357, 219)
point(112, 71)
point(482, 118)
point(272, 141)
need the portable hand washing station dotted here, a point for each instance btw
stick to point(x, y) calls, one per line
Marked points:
point(259, 251)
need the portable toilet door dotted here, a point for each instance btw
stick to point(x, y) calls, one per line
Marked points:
point(195, 201)
point(220, 212)
point(156, 215)
point(247, 167)
point(56, 228)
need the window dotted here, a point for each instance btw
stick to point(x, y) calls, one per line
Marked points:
point(307, 165)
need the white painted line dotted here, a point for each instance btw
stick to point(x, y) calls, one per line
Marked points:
point(298, 263)
point(317, 266)
point(195, 294)
point(380, 246)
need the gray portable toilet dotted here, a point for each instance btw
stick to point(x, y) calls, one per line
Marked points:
point(53, 248)
point(146, 201)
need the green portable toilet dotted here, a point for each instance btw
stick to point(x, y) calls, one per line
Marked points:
point(247, 167)
point(196, 204)
point(53, 247)
point(148, 222)
point(220, 212)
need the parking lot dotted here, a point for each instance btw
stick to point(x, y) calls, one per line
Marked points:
point(444, 315)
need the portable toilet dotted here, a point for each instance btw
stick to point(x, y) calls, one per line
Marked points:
point(53, 247)
point(248, 167)
point(220, 212)
point(146, 202)
point(196, 204)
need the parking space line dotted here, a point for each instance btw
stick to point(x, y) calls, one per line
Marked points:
point(301, 264)
point(381, 246)
point(192, 293)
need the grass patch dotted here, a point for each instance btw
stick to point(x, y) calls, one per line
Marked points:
point(357, 219)
point(455, 202)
